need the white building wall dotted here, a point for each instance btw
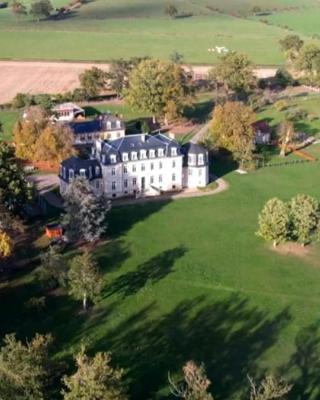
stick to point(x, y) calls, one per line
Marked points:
point(157, 174)
point(195, 177)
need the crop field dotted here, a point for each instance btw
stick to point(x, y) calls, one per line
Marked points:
point(101, 30)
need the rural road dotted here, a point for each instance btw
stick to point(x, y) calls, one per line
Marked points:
point(37, 77)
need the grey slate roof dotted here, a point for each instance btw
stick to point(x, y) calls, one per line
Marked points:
point(76, 164)
point(134, 143)
point(97, 125)
point(196, 149)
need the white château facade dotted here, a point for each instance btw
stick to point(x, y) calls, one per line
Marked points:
point(136, 165)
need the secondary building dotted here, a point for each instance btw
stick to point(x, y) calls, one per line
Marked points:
point(137, 165)
point(67, 112)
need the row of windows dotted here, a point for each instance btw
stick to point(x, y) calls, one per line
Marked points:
point(143, 167)
point(192, 159)
point(134, 181)
point(91, 136)
point(82, 172)
point(142, 155)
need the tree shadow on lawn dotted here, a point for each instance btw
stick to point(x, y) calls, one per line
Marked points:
point(122, 219)
point(112, 255)
point(229, 336)
point(150, 272)
point(200, 112)
point(305, 364)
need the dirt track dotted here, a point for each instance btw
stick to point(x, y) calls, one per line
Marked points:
point(57, 77)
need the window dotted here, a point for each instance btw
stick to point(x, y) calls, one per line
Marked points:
point(109, 136)
point(151, 153)
point(151, 179)
point(173, 164)
point(71, 174)
point(90, 172)
point(118, 134)
point(134, 181)
point(190, 172)
point(97, 184)
point(200, 172)
point(125, 169)
point(118, 123)
point(174, 151)
point(133, 155)
point(151, 166)
point(113, 185)
point(143, 154)
point(125, 183)
point(97, 171)
point(160, 152)
point(108, 125)
point(124, 156)
point(83, 173)
point(113, 158)
point(200, 159)
point(173, 177)
point(160, 164)
point(113, 171)
point(103, 158)
point(83, 138)
point(143, 167)
point(64, 172)
point(160, 178)
point(134, 168)
point(90, 137)
point(190, 159)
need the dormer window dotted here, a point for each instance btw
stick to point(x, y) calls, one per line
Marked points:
point(200, 159)
point(108, 125)
point(191, 159)
point(97, 171)
point(71, 174)
point(113, 159)
point(160, 153)
point(174, 151)
point(83, 173)
point(151, 153)
point(133, 155)
point(124, 156)
point(118, 123)
point(104, 158)
point(90, 172)
point(143, 154)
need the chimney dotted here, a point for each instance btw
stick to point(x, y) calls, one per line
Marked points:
point(143, 137)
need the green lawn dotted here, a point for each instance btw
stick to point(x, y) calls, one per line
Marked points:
point(7, 120)
point(189, 279)
point(310, 103)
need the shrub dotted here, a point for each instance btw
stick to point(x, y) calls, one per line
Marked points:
point(281, 105)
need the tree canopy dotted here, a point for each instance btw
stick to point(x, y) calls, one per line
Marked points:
point(41, 9)
point(24, 368)
point(93, 81)
point(274, 221)
point(15, 191)
point(94, 378)
point(231, 128)
point(235, 71)
point(85, 280)
point(164, 89)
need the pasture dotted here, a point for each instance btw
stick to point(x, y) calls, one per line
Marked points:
point(189, 279)
point(103, 30)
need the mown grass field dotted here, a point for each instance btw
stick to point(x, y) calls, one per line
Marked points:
point(189, 279)
point(103, 30)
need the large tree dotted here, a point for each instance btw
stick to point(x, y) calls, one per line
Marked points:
point(93, 81)
point(94, 378)
point(285, 136)
point(119, 71)
point(25, 368)
point(304, 217)
point(195, 383)
point(41, 9)
point(85, 216)
point(308, 60)
point(235, 71)
point(164, 89)
point(231, 128)
point(53, 269)
point(274, 221)
point(85, 280)
point(18, 8)
point(54, 144)
point(14, 188)
point(291, 46)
